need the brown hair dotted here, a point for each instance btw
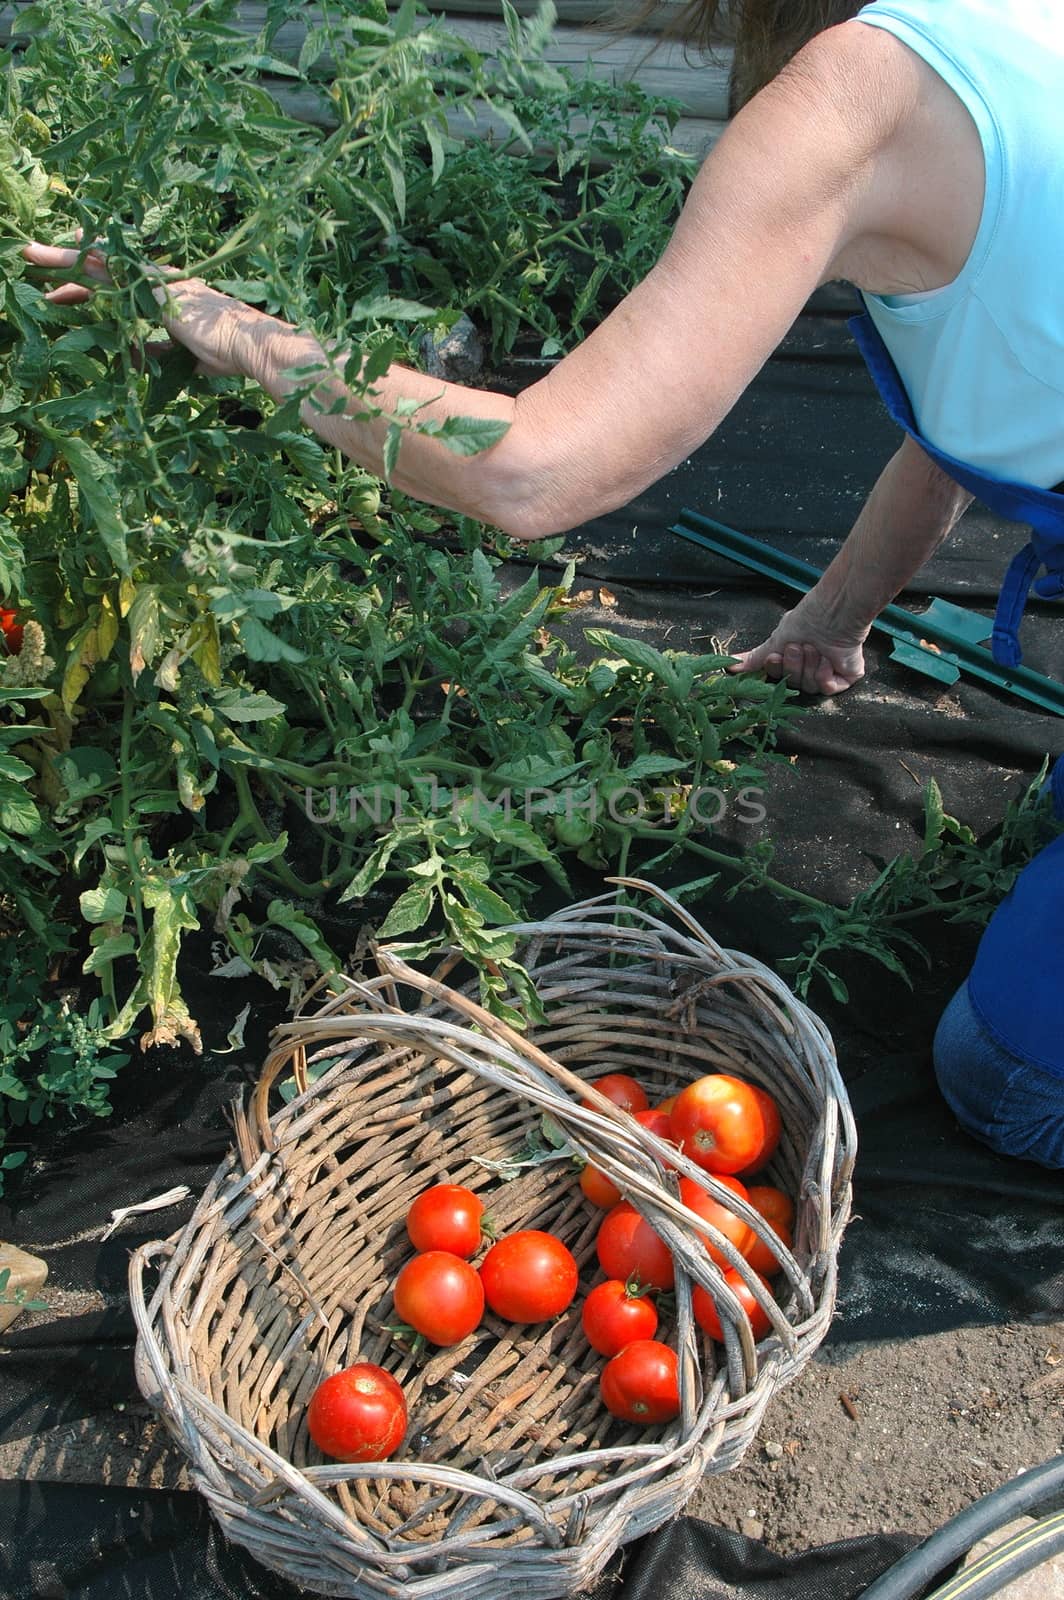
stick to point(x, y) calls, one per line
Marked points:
point(765, 33)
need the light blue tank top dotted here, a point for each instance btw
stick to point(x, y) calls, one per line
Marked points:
point(982, 359)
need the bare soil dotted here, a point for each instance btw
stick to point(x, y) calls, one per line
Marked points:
point(895, 1437)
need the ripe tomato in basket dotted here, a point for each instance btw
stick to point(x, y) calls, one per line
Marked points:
point(777, 1209)
point(622, 1090)
point(628, 1247)
point(599, 1189)
point(734, 1229)
point(658, 1121)
point(641, 1383)
point(773, 1129)
point(440, 1296)
point(706, 1314)
point(615, 1314)
point(719, 1122)
point(447, 1217)
point(358, 1414)
point(529, 1276)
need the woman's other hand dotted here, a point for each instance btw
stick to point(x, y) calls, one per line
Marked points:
point(809, 653)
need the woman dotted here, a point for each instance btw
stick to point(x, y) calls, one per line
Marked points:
point(912, 147)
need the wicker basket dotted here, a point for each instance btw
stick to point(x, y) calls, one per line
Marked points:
point(513, 1478)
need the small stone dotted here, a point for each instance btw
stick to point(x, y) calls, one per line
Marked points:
point(773, 1449)
point(457, 356)
point(751, 1528)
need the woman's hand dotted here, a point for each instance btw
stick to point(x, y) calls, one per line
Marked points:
point(59, 259)
point(209, 324)
point(217, 329)
point(810, 654)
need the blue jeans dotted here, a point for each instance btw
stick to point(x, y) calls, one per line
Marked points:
point(1011, 1104)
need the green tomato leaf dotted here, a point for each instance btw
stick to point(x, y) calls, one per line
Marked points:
point(97, 490)
point(410, 912)
point(102, 904)
point(465, 436)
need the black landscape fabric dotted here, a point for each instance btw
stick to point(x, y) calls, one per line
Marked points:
point(59, 1541)
point(111, 1543)
point(945, 1233)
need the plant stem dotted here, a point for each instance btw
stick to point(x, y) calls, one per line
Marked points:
point(735, 864)
point(278, 868)
point(125, 767)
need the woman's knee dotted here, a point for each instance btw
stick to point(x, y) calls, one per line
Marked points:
point(1014, 1106)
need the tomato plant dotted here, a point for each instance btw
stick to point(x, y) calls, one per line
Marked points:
point(447, 1217)
point(440, 1296)
point(529, 1276)
point(358, 1414)
point(628, 1247)
point(223, 648)
point(777, 1209)
point(718, 1122)
point(642, 1383)
point(614, 1314)
point(620, 1090)
point(707, 1317)
point(599, 1189)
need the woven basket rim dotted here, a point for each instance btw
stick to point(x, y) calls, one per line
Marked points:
point(712, 1411)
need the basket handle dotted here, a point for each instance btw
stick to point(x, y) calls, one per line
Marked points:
point(254, 1132)
point(494, 1028)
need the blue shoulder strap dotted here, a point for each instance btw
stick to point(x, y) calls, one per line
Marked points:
point(1041, 509)
point(1056, 787)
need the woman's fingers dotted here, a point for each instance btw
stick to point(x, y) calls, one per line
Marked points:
point(63, 258)
point(57, 259)
point(804, 665)
point(69, 294)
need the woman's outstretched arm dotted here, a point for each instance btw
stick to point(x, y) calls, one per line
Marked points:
point(786, 189)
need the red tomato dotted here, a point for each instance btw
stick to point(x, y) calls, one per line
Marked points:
point(612, 1317)
point(622, 1090)
point(706, 1312)
point(726, 1222)
point(529, 1276)
point(657, 1121)
point(446, 1217)
point(642, 1383)
point(666, 1105)
point(777, 1209)
point(599, 1189)
point(440, 1296)
point(11, 631)
point(718, 1122)
point(358, 1414)
point(773, 1127)
point(628, 1247)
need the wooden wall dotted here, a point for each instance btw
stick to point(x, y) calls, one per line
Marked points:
point(585, 35)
